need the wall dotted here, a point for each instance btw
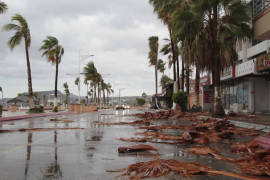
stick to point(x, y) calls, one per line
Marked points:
point(262, 26)
point(261, 95)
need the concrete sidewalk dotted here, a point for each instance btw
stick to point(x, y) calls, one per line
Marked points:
point(12, 118)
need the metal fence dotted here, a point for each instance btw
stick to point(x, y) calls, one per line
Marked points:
point(259, 6)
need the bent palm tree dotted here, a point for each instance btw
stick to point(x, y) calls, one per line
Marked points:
point(22, 31)
point(153, 56)
point(54, 52)
point(3, 7)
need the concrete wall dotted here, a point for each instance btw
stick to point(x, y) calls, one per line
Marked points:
point(262, 95)
point(262, 26)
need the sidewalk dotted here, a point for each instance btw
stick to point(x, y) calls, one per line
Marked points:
point(12, 118)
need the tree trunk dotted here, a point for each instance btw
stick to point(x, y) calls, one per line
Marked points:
point(95, 94)
point(156, 78)
point(197, 87)
point(183, 76)
point(87, 93)
point(30, 89)
point(188, 83)
point(173, 54)
point(55, 85)
point(107, 97)
point(98, 94)
point(218, 108)
point(177, 74)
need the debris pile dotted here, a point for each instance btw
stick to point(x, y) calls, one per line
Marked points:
point(136, 148)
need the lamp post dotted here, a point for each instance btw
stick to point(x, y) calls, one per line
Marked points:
point(79, 72)
point(120, 89)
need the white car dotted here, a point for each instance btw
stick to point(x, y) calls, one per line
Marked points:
point(118, 107)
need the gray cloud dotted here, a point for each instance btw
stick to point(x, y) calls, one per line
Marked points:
point(116, 32)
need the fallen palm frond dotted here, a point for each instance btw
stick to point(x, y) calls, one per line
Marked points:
point(137, 148)
point(121, 123)
point(161, 136)
point(136, 139)
point(202, 150)
point(256, 164)
point(163, 167)
point(62, 120)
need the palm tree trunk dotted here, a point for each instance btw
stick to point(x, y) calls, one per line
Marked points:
point(98, 94)
point(30, 89)
point(187, 81)
point(95, 94)
point(197, 87)
point(183, 76)
point(87, 93)
point(177, 69)
point(173, 54)
point(107, 96)
point(218, 108)
point(156, 78)
point(55, 85)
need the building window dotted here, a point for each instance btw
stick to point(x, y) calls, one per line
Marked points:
point(259, 6)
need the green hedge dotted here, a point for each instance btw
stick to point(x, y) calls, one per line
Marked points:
point(37, 110)
point(181, 99)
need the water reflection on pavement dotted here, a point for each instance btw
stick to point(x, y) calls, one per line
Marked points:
point(79, 154)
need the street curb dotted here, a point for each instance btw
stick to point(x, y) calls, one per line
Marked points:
point(13, 118)
point(260, 127)
point(263, 128)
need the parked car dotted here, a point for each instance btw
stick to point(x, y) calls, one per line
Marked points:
point(120, 107)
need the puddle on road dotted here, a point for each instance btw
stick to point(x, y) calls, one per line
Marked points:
point(80, 154)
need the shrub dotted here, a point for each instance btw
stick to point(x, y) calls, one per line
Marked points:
point(55, 109)
point(37, 110)
point(1, 110)
point(140, 101)
point(181, 99)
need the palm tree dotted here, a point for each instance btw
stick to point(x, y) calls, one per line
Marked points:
point(153, 56)
point(3, 7)
point(230, 21)
point(91, 74)
point(165, 10)
point(77, 82)
point(86, 83)
point(54, 52)
point(66, 89)
point(161, 66)
point(22, 31)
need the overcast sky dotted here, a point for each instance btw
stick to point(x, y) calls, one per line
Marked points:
point(115, 31)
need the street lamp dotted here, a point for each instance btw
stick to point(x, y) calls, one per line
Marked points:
point(79, 72)
point(120, 89)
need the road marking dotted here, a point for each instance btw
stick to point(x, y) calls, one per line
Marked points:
point(23, 146)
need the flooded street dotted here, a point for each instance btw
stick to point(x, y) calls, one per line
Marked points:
point(82, 154)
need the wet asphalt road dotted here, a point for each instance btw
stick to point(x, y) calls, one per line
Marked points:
point(81, 154)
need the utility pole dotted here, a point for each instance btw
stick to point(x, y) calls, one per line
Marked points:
point(120, 89)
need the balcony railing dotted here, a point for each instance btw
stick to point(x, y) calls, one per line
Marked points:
point(259, 6)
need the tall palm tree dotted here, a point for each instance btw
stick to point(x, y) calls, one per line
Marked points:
point(3, 7)
point(76, 82)
point(54, 52)
point(91, 74)
point(66, 89)
point(21, 31)
point(164, 10)
point(153, 56)
point(86, 83)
